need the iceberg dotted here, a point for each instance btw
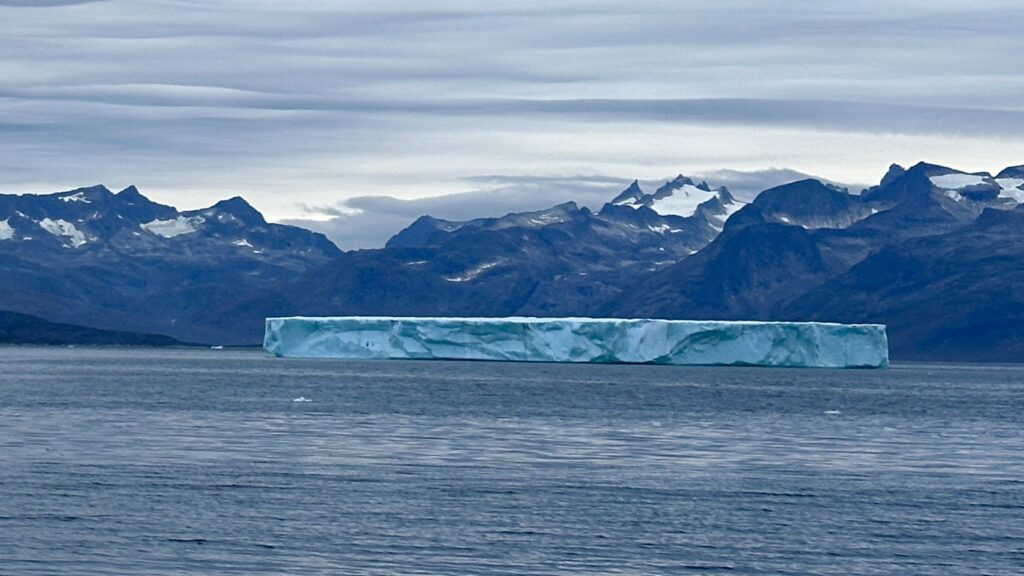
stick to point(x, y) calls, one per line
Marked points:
point(596, 340)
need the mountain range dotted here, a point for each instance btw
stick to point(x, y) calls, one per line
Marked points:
point(935, 253)
point(119, 261)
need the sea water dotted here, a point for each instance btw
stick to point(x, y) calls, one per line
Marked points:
point(117, 461)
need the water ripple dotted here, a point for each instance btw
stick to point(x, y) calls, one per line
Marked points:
point(180, 461)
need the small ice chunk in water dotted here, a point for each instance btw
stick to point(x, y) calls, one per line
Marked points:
point(833, 412)
point(301, 399)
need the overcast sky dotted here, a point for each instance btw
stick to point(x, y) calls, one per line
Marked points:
point(315, 109)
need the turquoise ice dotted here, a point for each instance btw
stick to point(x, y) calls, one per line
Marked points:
point(598, 340)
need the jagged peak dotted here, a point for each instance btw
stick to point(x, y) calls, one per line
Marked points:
point(131, 195)
point(672, 185)
point(233, 203)
point(917, 178)
point(894, 172)
point(237, 207)
point(632, 192)
point(725, 195)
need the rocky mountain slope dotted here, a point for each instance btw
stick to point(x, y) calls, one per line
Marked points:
point(24, 329)
point(935, 253)
point(122, 262)
point(922, 252)
point(562, 261)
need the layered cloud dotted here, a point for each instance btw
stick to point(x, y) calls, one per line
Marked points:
point(314, 104)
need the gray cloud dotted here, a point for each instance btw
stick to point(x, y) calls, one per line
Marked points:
point(312, 103)
point(43, 3)
point(197, 102)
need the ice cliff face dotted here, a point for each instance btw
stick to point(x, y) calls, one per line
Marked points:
point(581, 340)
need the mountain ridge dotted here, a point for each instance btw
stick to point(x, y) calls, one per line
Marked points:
point(122, 262)
point(803, 250)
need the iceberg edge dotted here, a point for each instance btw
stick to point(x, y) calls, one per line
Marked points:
point(590, 340)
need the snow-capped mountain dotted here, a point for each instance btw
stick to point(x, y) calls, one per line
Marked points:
point(96, 219)
point(979, 187)
point(682, 198)
point(962, 195)
point(931, 251)
point(807, 251)
point(120, 261)
point(566, 259)
point(650, 230)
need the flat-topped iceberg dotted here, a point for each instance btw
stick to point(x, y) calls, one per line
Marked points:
point(600, 340)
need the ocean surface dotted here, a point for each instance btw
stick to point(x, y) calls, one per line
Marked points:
point(118, 461)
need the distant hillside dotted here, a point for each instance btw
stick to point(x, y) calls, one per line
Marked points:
point(24, 329)
point(934, 253)
point(121, 262)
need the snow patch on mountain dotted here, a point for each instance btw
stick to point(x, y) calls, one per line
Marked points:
point(731, 207)
point(663, 228)
point(683, 201)
point(680, 197)
point(76, 197)
point(1011, 188)
point(64, 229)
point(956, 181)
point(6, 230)
point(546, 219)
point(630, 196)
point(472, 273)
point(172, 228)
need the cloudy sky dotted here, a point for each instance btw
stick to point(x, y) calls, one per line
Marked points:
point(363, 113)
